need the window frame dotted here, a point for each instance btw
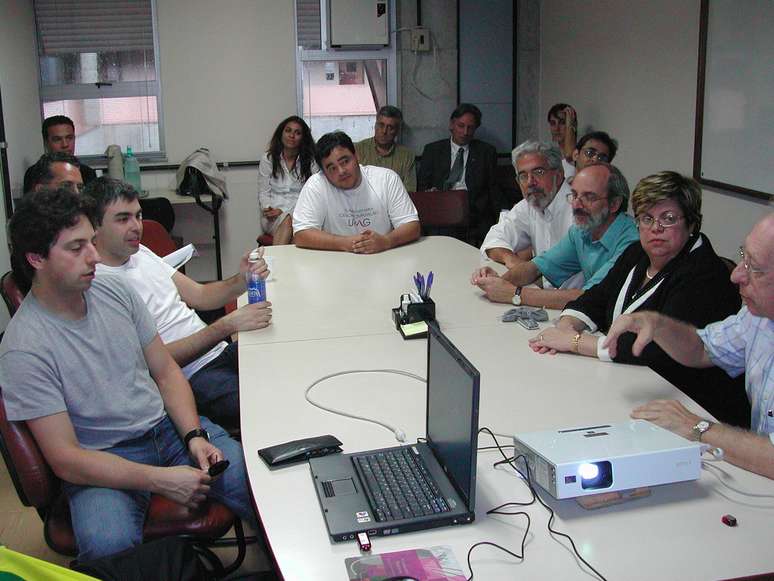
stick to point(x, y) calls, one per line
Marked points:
point(328, 54)
point(51, 93)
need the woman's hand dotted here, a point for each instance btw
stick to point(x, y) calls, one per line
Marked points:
point(553, 341)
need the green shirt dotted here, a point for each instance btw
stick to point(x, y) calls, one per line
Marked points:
point(400, 160)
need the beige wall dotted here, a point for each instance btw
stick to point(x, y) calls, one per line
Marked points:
point(227, 79)
point(227, 74)
point(21, 111)
point(629, 68)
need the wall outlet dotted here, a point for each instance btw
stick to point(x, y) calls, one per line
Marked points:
point(420, 39)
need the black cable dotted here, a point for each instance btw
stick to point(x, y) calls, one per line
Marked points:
point(497, 510)
point(499, 547)
point(561, 534)
point(494, 447)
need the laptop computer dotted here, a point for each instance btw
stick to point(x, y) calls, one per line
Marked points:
point(365, 491)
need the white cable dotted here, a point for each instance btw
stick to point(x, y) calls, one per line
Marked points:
point(400, 435)
point(714, 472)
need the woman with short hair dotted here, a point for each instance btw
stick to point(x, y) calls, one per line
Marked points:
point(673, 270)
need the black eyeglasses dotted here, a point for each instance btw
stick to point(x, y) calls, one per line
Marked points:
point(591, 154)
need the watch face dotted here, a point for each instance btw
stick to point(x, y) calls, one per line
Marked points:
point(703, 426)
point(516, 300)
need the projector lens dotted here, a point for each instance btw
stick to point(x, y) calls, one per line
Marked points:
point(588, 471)
point(596, 475)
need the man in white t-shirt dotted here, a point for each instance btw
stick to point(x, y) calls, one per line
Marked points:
point(352, 208)
point(208, 362)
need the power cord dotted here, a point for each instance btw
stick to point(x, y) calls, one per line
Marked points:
point(714, 471)
point(535, 496)
point(400, 435)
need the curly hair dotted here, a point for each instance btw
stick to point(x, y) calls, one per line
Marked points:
point(305, 153)
point(36, 224)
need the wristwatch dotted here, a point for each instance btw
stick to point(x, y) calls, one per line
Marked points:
point(516, 300)
point(195, 433)
point(701, 427)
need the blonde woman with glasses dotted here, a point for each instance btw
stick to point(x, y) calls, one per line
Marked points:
point(674, 271)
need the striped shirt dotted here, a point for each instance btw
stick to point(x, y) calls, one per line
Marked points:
point(744, 343)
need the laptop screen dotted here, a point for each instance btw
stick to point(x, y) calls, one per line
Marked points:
point(452, 412)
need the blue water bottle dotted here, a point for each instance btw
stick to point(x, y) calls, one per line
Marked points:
point(256, 286)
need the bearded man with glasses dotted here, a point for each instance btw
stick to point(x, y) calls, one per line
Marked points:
point(673, 270)
point(542, 217)
point(601, 232)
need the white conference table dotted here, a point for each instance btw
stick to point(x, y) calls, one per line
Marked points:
point(674, 533)
point(317, 295)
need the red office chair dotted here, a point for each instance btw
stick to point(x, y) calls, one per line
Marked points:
point(443, 212)
point(265, 240)
point(156, 237)
point(12, 295)
point(37, 485)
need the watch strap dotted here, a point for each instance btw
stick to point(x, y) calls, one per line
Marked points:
point(700, 428)
point(195, 433)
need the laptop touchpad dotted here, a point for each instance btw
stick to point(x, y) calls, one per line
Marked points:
point(342, 487)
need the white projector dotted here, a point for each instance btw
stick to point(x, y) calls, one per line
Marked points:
point(582, 461)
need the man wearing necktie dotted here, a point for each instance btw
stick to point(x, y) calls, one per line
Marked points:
point(464, 163)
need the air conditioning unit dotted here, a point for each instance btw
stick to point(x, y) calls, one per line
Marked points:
point(359, 23)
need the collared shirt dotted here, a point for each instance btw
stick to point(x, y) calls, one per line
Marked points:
point(400, 159)
point(744, 343)
point(578, 251)
point(460, 185)
point(525, 226)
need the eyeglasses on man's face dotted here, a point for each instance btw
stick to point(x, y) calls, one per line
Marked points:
point(666, 220)
point(746, 263)
point(537, 173)
point(592, 154)
point(586, 198)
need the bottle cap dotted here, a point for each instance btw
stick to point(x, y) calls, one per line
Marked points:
point(254, 256)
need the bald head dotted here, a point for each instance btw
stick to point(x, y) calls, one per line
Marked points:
point(764, 230)
point(755, 274)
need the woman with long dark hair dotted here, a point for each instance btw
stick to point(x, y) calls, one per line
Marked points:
point(282, 172)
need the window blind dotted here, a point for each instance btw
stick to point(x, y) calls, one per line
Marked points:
point(308, 24)
point(77, 26)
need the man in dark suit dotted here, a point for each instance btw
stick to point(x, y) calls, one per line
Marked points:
point(464, 163)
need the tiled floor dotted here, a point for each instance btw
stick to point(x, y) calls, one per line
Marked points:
point(22, 530)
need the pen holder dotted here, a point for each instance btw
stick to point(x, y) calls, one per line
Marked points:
point(413, 313)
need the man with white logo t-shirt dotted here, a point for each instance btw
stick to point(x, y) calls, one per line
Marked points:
point(352, 208)
point(207, 361)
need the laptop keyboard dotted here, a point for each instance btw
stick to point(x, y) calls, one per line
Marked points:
point(398, 485)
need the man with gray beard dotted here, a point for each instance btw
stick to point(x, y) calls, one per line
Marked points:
point(542, 218)
point(602, 231)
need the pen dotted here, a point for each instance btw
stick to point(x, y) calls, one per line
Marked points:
point(429, 284)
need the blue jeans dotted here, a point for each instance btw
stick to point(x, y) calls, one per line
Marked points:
point(106, 521)
point(216, 388)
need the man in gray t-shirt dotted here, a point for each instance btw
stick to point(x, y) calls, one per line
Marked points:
point(82, 364)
